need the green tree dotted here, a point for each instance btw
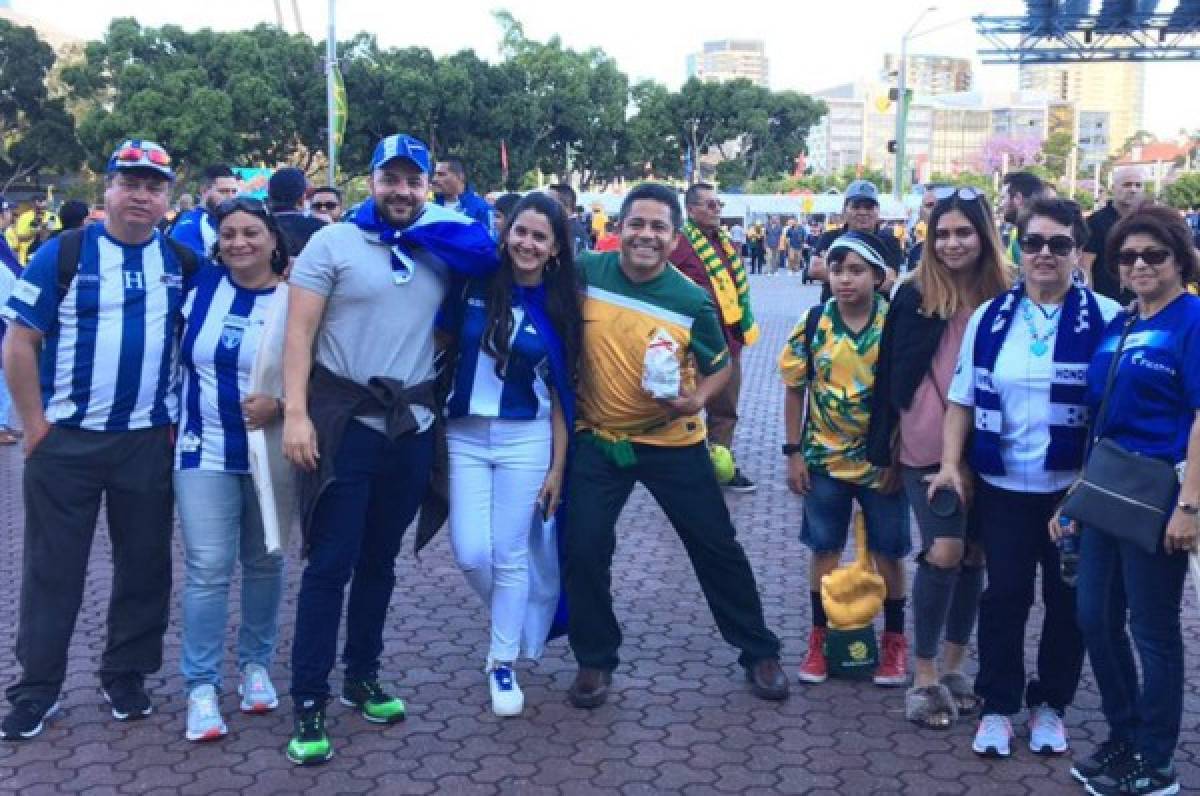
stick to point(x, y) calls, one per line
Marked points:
point(38, 133)
point(1184, 192)
point(1056, 151)
point(653, 142)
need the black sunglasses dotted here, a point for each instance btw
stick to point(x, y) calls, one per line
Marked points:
point(1060, 245)
point(324, 205)
point(246, 204)
point(1151, 257)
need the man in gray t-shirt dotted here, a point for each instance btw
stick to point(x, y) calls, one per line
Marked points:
point(361, 304)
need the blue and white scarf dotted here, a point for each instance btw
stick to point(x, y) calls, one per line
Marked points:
point(1080, 329)
point(465, 246)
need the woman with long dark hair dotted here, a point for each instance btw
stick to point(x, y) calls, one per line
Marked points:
point(509, 416)
point(962, 266)
point(225, 314)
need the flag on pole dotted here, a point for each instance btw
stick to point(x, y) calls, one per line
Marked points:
point(341, 108)
point(503, 160)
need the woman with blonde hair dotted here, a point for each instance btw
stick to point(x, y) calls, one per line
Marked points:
point(962, 265)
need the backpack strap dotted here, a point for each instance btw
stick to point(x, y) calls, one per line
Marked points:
point(811, 321)
point(189, 262)
point(70, 244)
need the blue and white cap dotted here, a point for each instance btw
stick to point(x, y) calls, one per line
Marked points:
point(401, 146)
point(140, 154)
point(5, 204)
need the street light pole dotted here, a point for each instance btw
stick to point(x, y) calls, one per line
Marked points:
point(330, 102)
point(902, 105)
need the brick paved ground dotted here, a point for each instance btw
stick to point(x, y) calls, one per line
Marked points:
point(680, 718)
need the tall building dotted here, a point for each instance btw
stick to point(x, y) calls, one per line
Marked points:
point(860, 122)
point(729, 59)
point(1116, 89)
point(931, 74)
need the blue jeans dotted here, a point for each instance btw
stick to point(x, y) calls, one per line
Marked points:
point(5, 401)
point(1120, 583)
point(827, 510)
point(356, 530)
point(221, 523)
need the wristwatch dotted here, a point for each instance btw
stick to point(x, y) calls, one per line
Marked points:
point(1190, 509)
point(790, 448)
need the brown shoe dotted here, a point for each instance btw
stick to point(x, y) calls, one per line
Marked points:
point(768, 680)
point(590, 688)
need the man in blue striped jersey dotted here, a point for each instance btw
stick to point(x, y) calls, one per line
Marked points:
point(100, 339)
point(197, 228)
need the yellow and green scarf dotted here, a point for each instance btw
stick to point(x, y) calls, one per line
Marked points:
point(733, 296)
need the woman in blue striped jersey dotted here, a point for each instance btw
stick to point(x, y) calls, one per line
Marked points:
point(225, 315)
point(509, 416)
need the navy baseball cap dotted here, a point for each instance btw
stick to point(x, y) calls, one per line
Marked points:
point(139, 154)
point(862, 189)
point(401, 146)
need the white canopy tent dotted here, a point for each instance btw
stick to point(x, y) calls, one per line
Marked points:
point(750, 208)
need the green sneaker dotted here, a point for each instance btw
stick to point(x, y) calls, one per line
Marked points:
point(375, 704)
point(310, 744)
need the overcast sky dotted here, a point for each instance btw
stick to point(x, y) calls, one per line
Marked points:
point(810, 44)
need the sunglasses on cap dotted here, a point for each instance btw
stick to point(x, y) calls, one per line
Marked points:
point(965, 193)
point(1060, 245)
point(138, 154)
point(1151, 257)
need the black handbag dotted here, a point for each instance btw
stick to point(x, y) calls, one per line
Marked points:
point(1124, 494)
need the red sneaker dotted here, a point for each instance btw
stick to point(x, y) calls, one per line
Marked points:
point(893, 669)
point(815, 669)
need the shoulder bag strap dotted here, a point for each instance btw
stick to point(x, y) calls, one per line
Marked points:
point(1112, 375)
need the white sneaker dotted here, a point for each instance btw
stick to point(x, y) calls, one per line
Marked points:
point(507, 699)
point(994, 736)
point(1047, 734)
point(258, 693)
point(204, 722)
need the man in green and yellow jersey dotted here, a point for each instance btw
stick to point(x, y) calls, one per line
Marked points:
point(634, 299)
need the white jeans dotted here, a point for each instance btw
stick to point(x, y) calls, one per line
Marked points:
point(497, 468)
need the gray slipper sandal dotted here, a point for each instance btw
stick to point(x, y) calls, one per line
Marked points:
point(930, 706)
point(963, 693)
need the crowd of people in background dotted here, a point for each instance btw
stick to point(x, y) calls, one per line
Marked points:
point(513, 365)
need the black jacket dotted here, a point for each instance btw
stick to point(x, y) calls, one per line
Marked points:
point(333, 401)
point(910, 340)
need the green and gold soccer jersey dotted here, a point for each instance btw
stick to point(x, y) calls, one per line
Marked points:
point(839, 395)
point(619, 319)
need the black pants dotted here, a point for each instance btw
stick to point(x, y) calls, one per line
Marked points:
point(1013, 528)
point(683, 483)
point(65, 478)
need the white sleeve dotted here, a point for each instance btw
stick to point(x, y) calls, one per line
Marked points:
point(1108, 307)
point(962, 386)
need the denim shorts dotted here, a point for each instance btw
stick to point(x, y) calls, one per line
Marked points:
point(827, 511)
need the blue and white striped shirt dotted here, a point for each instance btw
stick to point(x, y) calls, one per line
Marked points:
point(523, 393)
point(108, 357)
point(196, 229)
point(222, 329)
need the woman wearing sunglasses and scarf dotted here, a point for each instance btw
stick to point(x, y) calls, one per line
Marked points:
point(962, 266)
point(225, 316)
point(1153, 409)
point(510, 413)
point(1019, 393)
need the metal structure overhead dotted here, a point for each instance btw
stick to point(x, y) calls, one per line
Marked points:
point(1077, 31)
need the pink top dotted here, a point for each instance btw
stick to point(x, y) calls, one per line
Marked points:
point(921, 423)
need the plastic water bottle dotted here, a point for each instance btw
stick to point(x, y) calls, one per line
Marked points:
point(1068, 552)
